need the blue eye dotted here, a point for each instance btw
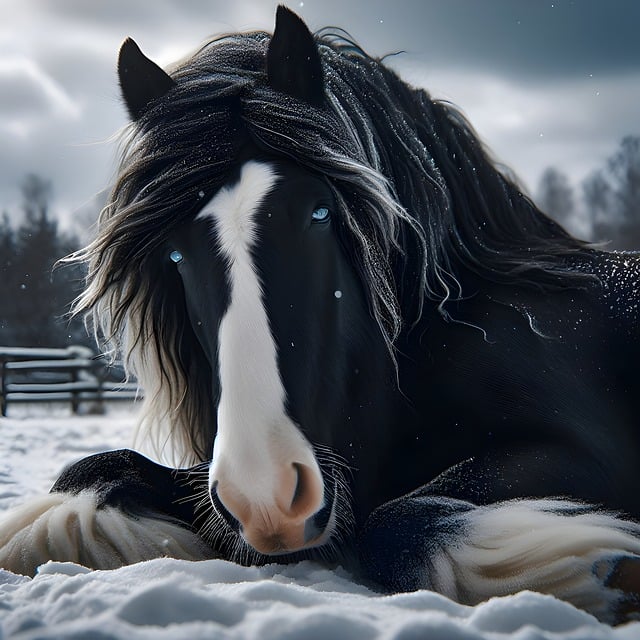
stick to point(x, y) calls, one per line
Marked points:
point(321, 214)
point(176, 256)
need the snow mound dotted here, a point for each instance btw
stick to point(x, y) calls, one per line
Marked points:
point(175, 599)
point(167, 598)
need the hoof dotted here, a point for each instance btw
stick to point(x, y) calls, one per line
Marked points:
point(625, 577)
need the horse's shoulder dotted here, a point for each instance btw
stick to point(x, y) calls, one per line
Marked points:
point(607, 290)
point(615, 285)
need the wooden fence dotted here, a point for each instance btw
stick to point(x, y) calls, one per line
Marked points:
point(73, 375)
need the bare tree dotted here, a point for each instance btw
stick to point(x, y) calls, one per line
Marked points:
point(612, 197)
point(596, 192)
point(624, 170)
point(555, 196)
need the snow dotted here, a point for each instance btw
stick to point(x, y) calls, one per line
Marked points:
point(168, 598)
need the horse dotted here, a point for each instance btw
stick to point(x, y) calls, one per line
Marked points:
point(360, 343)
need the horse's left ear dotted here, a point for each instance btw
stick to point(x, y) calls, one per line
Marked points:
point(293, 61)
point(141, 79)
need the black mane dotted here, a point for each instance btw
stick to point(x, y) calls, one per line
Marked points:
point(421, 203)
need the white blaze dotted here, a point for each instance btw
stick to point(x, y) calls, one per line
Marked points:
point(255, 436)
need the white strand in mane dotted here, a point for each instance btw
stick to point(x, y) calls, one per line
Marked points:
point(160, 432)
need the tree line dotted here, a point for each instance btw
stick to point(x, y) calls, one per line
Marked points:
point(35, 296)
point(606, 207)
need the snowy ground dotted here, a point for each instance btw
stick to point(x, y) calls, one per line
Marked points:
point(215, 599)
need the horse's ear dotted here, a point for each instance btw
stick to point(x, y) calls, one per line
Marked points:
point(141, 79)
point(293, 61)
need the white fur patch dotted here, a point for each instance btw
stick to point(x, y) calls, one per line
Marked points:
point(69, 528)
point(255, 435)
point(539, 545)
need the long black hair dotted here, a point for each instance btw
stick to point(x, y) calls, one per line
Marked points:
point(420, 200)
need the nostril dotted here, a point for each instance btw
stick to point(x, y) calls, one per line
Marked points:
point(222, 511)
point(318, 523)
point(297, 492)
point(306, 494)
point(322, 517)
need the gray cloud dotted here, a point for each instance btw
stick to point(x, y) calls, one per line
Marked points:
point(552, 39)
point(552, 82)
point(22, 96)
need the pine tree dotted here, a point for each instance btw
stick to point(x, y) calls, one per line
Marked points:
point(7, 279)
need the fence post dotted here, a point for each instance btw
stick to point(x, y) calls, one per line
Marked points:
point(4, 388)
point(75, 400)
point(100, 379)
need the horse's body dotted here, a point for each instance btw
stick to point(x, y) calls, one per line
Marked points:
point(390, 356)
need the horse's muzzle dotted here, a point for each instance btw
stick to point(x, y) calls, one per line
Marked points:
point(301, 516)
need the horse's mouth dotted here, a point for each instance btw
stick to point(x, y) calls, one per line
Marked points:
point(222, 511)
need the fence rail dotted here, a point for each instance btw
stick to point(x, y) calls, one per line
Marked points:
point(74, 375)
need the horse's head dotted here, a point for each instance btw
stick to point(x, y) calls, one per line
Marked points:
point(250, 309)
point(274, 304)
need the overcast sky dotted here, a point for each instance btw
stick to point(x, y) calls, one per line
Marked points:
point(543, 82)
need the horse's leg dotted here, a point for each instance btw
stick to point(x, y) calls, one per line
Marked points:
point(473, 549)
point(103, 512)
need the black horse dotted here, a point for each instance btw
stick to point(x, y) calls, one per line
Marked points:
point(373, 346)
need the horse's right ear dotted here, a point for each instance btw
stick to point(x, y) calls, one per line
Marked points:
point(141, 79)
point(293, 61)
